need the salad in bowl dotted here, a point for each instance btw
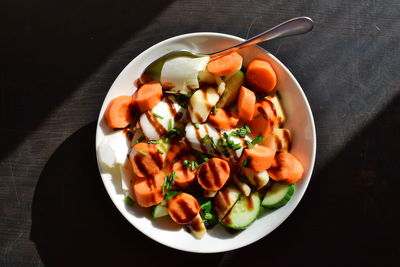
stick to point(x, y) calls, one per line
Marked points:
point(203, 144)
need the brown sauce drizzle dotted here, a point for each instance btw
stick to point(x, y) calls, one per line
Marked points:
point(198, 136)
point(171, 108)
point(141, 166)
point(157, 159)
point(198, 116)
point(154, 122)
point(213, 169)
point(178, 116)
point(272, 105)
point(249, 203)
point(204, 169)
point(196, 224)
point(286, 136)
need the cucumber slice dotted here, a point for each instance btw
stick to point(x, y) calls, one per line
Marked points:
point(278, 195)
point(243, 213)
point(231, 91)
point(159, 210)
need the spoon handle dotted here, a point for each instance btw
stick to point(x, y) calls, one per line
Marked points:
point(290, 27)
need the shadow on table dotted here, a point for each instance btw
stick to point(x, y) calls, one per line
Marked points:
point(349, 214)
point(74, 222)
point(62, 43)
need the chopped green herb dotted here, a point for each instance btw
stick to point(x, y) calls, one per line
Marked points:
point(191, 164)
point(173, 133)
point(129, 201)
point(196, 125)
point(257, 140)
point(208, 139)
point(236, 146)
point(141, 152)
point(158, 116)
point(208, 212)
point(241, 132)
point(171, 194)
point(140, 139)
point(208, 216)
point(245, 162)
point(256, 116)
point(249, 144)
point(214, 110)
point(201, 157)
point(169, 124)
point(159, 151)
point(182, 99)
point(168, 182)
point(153, 142)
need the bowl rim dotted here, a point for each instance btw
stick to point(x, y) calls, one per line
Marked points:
point(304, 98)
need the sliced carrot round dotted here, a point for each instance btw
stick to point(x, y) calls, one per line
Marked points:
point(224, 65)
point(184, 175)
point(148, 190)
point(264, 118)
point(177, 148)
point(146, 160)
point(148, 96)
point(213, 174)
point(183, 208)
point(246, 103)
point(119, 112)
point(286, 169)
point(261, 76)
point(223, 119)
point(258, 158)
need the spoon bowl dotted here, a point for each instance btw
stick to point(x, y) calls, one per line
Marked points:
point(295, 26)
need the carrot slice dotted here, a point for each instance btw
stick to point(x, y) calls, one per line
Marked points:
point(213, 174)
point(176, 149)
point(184, 175)
point(148, 96)
point(261, 76)
point(119, 112)
point(286, 169)
point(183, 208)
point(146, 160)
point(223, 119)
point(264, 118)
point(246, 103)
point(224, 65)
point(148, 190)
point(258, 158)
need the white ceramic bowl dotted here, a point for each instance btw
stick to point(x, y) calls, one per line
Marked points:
point(300, 122)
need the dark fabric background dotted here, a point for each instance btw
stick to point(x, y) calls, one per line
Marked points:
point(59, 58)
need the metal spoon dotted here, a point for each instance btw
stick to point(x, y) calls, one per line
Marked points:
point(290, 27)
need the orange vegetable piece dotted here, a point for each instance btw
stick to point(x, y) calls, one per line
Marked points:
point(184, 175)
point(259, 158)
point(183, 208)
point(224, 65)
point(148, 96)
point(148, 190)
point(176, 149)
point(119, 112)
point(261, 76)
point(223, 119)
point(286, 169)
point(264, 118)
point(146, 165)
point(246, 104)
point(213, 174)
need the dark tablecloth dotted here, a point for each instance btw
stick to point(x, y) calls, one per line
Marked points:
point(58, 60)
